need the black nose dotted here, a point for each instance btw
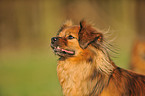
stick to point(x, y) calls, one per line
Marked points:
point(54, 39)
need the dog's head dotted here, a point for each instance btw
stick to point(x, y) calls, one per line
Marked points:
point(72, 40)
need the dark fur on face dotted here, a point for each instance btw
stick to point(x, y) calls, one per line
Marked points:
point(85, 68)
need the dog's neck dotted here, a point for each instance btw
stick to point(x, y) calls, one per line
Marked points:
point(104, 67)
point(94, 71)
point(102, 61)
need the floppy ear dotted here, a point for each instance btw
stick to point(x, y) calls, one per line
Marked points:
point(88, 35)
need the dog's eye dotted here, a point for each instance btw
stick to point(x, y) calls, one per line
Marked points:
point(70, 37)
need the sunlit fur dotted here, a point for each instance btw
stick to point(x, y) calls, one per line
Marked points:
point(90, 71)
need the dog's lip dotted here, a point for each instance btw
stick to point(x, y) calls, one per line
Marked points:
point(61, 50)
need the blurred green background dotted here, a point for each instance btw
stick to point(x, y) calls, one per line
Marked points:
point(27, 63)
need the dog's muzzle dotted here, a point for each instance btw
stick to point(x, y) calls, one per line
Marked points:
point(58, 50)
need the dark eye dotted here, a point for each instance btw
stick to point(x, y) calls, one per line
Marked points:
point(70, 37)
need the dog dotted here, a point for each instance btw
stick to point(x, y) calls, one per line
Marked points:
point(138, 56)
point(85, 67)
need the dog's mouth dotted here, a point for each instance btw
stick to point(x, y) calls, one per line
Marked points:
point(62, 52)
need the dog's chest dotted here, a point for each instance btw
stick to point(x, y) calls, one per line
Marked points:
point(74, 78)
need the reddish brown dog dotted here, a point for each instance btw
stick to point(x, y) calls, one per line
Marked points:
point(85, 68)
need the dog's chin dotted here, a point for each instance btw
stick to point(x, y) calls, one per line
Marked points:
point(62, 52)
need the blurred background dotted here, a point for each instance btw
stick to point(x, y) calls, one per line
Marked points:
point(27, 63)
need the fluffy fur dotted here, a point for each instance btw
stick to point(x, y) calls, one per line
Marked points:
point(85, 68)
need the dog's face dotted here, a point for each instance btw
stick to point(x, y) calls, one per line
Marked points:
point(72, 40)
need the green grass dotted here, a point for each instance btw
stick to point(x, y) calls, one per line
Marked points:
point(28, 74)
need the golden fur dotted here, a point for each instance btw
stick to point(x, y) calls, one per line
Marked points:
point(138, 57)
point(85, 68)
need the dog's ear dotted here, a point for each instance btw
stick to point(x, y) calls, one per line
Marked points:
point(88, 35)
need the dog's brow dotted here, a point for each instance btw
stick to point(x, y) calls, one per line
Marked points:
point(69, 33)
point(72, 33)
point(61, 33)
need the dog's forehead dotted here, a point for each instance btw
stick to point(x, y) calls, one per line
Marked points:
point(69, 30)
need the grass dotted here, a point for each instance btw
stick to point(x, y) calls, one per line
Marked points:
point(28, 74)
